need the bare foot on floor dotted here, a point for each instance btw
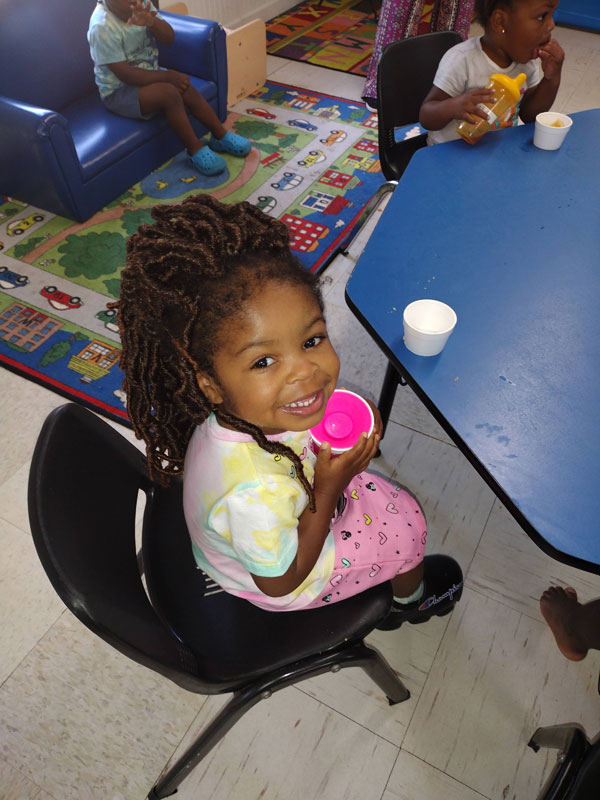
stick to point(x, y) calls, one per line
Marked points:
point(559, 608)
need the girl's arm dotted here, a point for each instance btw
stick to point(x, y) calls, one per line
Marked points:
point(332, 475)
point(438, 108)
point(541, 97)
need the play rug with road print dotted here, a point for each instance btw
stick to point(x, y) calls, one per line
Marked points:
point(314, 165)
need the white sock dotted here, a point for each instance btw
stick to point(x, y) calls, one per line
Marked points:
point(412, 598)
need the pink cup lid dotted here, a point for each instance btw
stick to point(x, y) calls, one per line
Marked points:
point(347, 415)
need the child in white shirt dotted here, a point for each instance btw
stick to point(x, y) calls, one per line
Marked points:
point(517, 38)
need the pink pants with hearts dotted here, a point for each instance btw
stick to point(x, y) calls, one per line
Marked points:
point(380, 532)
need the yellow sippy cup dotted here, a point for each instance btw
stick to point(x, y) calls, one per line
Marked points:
point(507, 92)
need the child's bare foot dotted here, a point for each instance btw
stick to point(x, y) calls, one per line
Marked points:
point(559, 608)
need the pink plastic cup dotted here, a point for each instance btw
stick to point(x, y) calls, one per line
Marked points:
point(347, 415)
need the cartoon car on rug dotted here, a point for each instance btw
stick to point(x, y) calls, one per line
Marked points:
point(334, 136)
point(108, 317)
point(302, 123)
point(260, 112)
point(313, 157)
point(10, 279)
point(266, 203)
point(289, 180)
point(19, 226)
point(61, 301)
point(1, 245)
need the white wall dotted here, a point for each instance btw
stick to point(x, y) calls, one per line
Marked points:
point(233, 13)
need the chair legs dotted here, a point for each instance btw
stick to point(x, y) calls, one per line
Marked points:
point(572, 743)
point(355, 654)
point(380, 672)
point(560, 737)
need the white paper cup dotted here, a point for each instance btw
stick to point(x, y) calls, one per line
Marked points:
point(427, 326)
point(551, 129)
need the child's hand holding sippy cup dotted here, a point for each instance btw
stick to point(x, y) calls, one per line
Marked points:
point(335, 469)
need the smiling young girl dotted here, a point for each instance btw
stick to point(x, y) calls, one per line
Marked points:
point(517, 38)
point(227, 364)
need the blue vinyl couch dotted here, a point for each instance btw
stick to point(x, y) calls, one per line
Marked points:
point(60, 149)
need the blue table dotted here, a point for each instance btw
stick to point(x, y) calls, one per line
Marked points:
point(509, 236)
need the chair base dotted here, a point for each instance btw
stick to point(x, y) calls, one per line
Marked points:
point(355, 654)
point(572, 743)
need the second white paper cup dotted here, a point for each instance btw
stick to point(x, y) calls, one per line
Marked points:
point(427, 326)
point(550, 130)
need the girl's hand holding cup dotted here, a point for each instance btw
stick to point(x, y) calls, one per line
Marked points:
point(353, 426)
point(467, 106)
point(333, 474)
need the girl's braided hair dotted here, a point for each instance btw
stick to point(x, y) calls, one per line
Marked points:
point(185, 275)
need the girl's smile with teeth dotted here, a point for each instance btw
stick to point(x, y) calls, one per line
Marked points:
point(302, 403)
point(307, 406)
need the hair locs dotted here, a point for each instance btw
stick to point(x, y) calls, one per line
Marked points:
point(186, 274)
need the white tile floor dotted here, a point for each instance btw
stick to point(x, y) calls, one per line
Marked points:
point(80, 721)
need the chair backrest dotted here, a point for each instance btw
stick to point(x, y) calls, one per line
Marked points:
point(44, 53)
point(404, 77)
point(83, 487)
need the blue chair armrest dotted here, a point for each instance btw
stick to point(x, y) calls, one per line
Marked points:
point(196, 46)
point(29, 119)
point(51, 157)
point(199, 49)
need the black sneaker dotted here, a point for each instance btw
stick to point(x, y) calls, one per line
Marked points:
point(442, 589)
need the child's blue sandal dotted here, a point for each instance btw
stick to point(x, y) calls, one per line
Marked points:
point(230, 143)
point(207, 162)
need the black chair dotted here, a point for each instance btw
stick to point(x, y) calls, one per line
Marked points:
point(83, 486)
point(576, 775)
point(404, 77)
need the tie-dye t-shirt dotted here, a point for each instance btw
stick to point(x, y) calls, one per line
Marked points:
point(112, 41)
point(242, 507)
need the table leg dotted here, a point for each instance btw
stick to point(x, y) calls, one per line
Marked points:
point(388, 392)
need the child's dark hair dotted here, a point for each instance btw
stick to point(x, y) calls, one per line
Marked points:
point(485, 8)
point(186, 273)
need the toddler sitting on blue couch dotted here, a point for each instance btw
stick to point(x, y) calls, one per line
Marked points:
point(123, 36)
